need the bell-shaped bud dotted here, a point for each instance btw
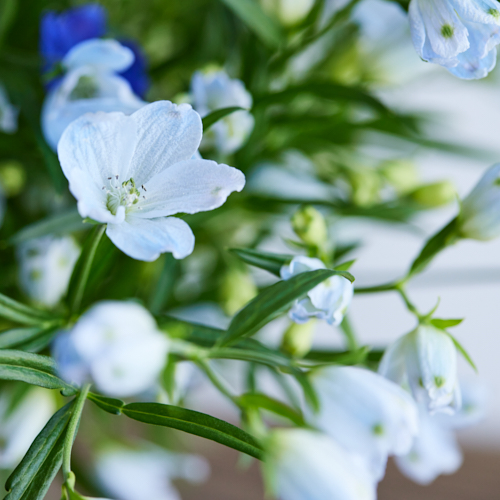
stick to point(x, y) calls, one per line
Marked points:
point(401, 174)
point(310, 226)
point(297, 339)
point(434, 195)
point(236, 290)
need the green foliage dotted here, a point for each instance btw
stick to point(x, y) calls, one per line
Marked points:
point(20, 313)
point(271, 262)
point(257, 400)
point(217, 115)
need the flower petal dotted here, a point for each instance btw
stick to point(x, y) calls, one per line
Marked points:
point(146, 239)
point(166, 134)
point(190, 186)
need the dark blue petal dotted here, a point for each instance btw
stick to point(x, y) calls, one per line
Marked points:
point(137, 74)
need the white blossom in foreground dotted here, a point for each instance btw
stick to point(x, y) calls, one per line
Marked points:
point(134, 172)
point(479, 217)
point(425, 361)
point(45, 267)
point(306, 465)
point(91, 84)
point(116, 345)
point(365, 413)
point(215, 90)
point(8, 113)
point(147, 473)
point(460, 35)
point(20, 426)
point(328, 301)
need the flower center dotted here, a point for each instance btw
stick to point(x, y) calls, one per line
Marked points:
point(86, 88)
point(125, 194)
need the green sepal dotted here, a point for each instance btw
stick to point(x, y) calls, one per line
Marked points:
point(445, 323)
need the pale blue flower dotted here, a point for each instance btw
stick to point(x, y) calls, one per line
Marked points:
point(479, 217)
point(91, 84)
point(425, 361)
point(327, 301)
point(8, 113)
point(365, 413)
point(134, 172)
point(215, 90)
point(460, 35)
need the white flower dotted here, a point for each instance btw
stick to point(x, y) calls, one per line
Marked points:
point(435, 451)
point(116, 345)
point(479, 217)
point(45, 268)
point(21, 424)
point(306, 465)
point(133, 172)
point(327, 301)
point(425, 361)
point(147, 473)
point(289, 12)
point(215, 90)
point(460, 35)
point(8, 113)
point(365, 413)
point(90, 85)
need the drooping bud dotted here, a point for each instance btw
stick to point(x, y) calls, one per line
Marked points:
point(236, 290)
point(12, 177)
point(297, 339)
point(310, 226)
point(434, 195)
point(401, 174)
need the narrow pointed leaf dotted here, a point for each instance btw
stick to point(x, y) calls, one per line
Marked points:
point(271, 262)
point(111, 405)
point(463, 352)
point(217, 115)
point(273, 405)
point(31, 339)
point(445, 323)
point(19, 313)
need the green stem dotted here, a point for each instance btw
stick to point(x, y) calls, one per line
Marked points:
point(218, 383)
point(82, 269)
point(71, 432)
point(410, 306)
point(387, 287)
point(350, 336)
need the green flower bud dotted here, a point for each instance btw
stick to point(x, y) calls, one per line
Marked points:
point(401, 174)
point(236, 290)
point(434, 195)
point(297, 339)
point(12, 177)
point(366, 185)
point(288, 12)
point(310, 226)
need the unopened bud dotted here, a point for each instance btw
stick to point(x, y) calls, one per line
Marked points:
point(237, 289)
point(12, 177)
point(297, 340)
point(401, 174)
point(434, 195)
point(288, 12)
point(366, 185)
point(310, 226)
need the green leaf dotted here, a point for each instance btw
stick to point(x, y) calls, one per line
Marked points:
point(309, 391)
point(270, 358)
point(217, 115)
point(251, 13)
point(31, 368)
point(274, 300)
point(445, 323)
point(273, 405)
point(63, 223)
point(345, 266)
point(338, 357)
point(163, 289)
point(193, 422)
point(111, 405)
point(463, 352)
point(27, 339)
point(33, 476)
point(8, 11)
point(271, 262)
point(19, 313)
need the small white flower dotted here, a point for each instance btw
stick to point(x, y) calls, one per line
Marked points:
point(45, 267)
point(133, 172)
point(435, 451)
point(117, 345)
point(147, 473)
point(306, 465)
point(215, 90)
point(365, 413)
point(8, 113)
point(19, 426)
point(91, 84)
point(328, 301)
point(460, 35)
point(425, 361)
point(479, 217)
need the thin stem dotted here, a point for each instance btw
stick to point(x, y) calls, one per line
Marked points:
point(71, 432)
point(216, 380)
point(387, 287)
point(410, 306)
point(349, 333)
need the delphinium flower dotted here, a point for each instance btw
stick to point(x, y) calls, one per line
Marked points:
point(460, 35)
point(136, 474)
point(303, 464)
point(327, 301)
point(133, 172)
point(8, 113)
point(425, 361)
point(479, 217)
point(20, 422)
point(115, 345)
point(365, 413)
point(45, 267)
point(91, 84)
point(215, 90)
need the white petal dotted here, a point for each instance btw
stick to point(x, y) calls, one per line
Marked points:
point(393, 363)
point(190, 186)
point(107, 55)
point(472, 68)
point(146, 239)
point(166, 134)
point(478, 11)
point(300, 264)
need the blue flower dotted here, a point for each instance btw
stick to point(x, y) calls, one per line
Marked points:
point(136, 74)
point(61, 32)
